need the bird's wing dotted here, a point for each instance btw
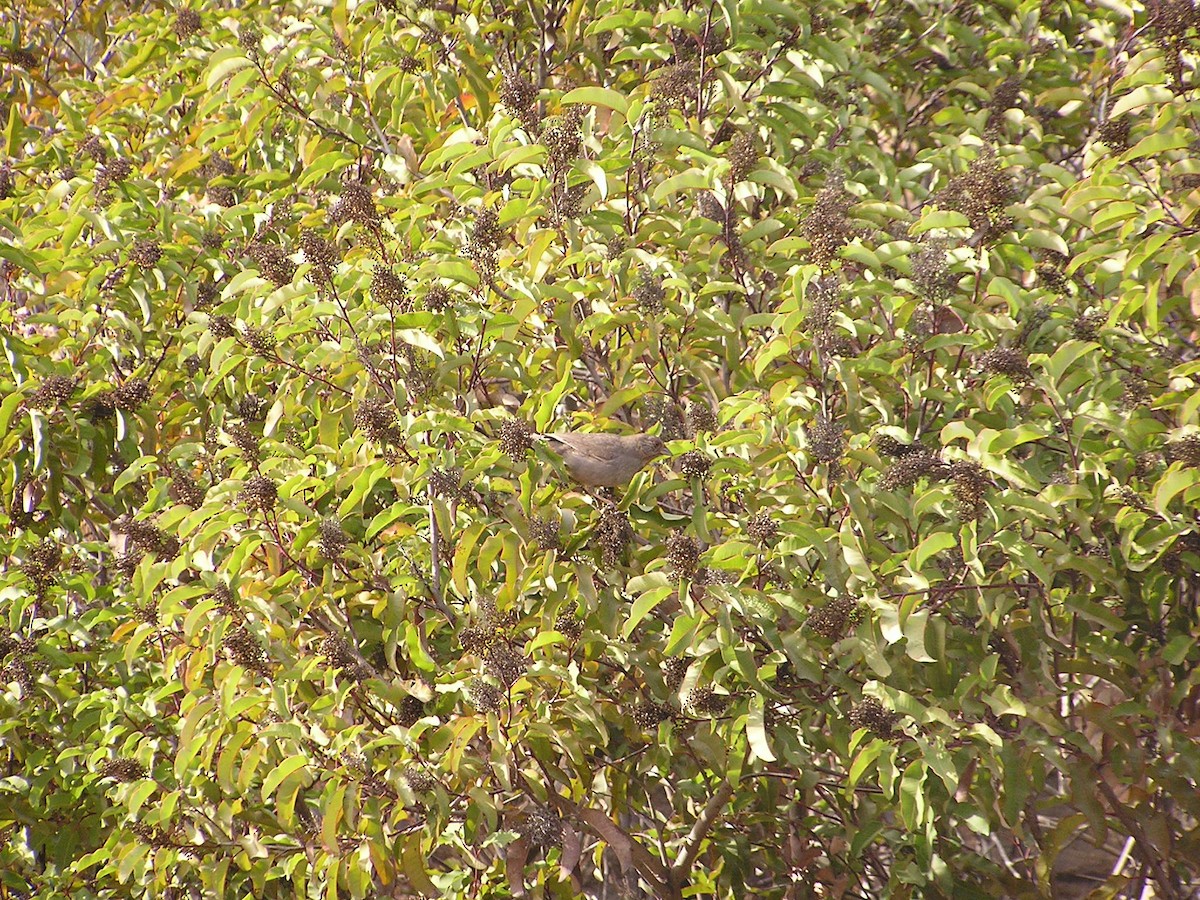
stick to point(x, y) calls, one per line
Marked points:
point(586, 445)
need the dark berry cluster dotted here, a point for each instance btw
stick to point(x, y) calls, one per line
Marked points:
point(321, 254)
point(145, 253)
point(827, 227)
point(910, 468)
point(546, 532)
point(695, 464)
point(871, 715)
point(187, 23)
point(259, 492)
point(54, 391)
point(612, 534)
point(683, 554)
point(245, 650)
point(388, 288)
point(516, 437)
point(123, 769)
point(1006, 361)
point(376, 418)
point(831, 620)
point(762, 529)
point(273, 262)
point(332, 543)
point(648, 715)
point(826, 440)
point(743, 156)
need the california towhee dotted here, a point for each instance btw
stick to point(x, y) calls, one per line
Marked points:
point(605, 460)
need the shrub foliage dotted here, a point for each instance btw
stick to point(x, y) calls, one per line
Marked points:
point(295, 603)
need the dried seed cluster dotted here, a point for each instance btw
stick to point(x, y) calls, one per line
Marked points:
point(484, 245)
point(245, 651)
point(320, 254)
point(826, 439)
point(519, 96)
point(145, 253)
point(1006, 361)
point(341, 655)
point(648, 715)
point(546, 532)
point(981, 194)
point(704, 701)
point(273, 262)
point(259, 492)
point(543, 827)
point(485, 697)
point(695, 464)
point(761, 528)
point(683, 554)
point(871, 715)
point(504, 664)
point(931, 272)
point(1185, 450)
point(911, 467)
point(377, 419)
point(54, 391)
point(186, 489)
point(123, 770)
point(833, 619)
point(612, 534)
point(827, 227)
point(388, 289)
point(674, 670)
point(743, 156)
point(187, 23)
point(516, 437)
point(569, 625)
point(332, 542)
point(699, 418)
point(970, 481)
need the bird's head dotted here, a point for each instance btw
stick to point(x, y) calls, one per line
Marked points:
point(651, 446)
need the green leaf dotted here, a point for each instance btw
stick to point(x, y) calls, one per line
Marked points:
point(280, 772)
point(598, 96)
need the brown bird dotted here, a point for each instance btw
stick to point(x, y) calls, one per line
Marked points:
point(605, 460)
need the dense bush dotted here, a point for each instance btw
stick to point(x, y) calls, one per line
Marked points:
point(296, 605)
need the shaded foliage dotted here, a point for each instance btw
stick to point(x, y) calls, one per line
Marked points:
point(295, 605)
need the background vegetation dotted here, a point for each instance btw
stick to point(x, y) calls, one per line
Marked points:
point(293, 605)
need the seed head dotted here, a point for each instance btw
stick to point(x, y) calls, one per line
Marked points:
point(683, 554)
point(320, 254)
point(648, 715)
point(377, 418)
point(704, 701)
point(245, 651)
point(485, 697)
point(612, 533)
point(259, 492)
point(910, 468)
point(699, 418)
point(1007, 361)
point(826, 439)
point(742, 155)
point(871, 715)
point(515, 437)
point(132, 394)
point(388, 289)
point(695, 464)
point(123, 770)
point(831, 620)
point(145, 253)
point(762, 528)
point(333, 538)
point(273, 262)
point(649, 294)
point(569, 625)
point(674, 670)
point(53, 392)
point(187, 23)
